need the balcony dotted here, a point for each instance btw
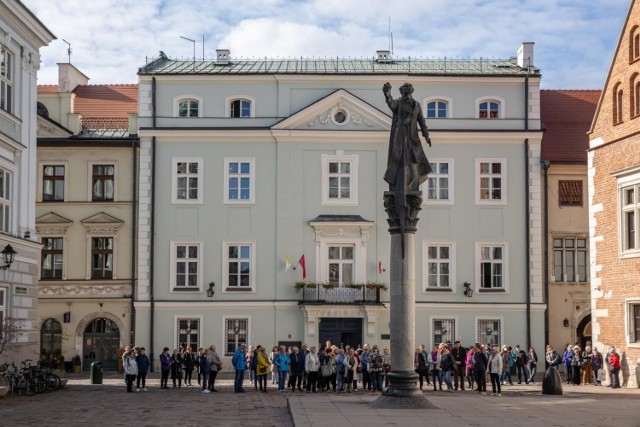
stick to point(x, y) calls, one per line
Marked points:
point(339, 295)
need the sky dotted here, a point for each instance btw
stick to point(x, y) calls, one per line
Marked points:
point(110, 39)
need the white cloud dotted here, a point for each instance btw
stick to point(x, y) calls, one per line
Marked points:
point(575, 40)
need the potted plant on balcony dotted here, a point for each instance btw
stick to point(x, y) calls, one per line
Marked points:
point(329, 285)
point(354, 285)
point(303, 285)
point(377, 286)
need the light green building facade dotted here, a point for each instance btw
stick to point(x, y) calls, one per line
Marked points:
point(247, 163)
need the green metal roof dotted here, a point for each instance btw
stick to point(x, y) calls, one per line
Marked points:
point(339, 66)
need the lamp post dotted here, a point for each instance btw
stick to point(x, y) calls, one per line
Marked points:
point(8, 255)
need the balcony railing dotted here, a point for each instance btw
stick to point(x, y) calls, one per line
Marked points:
point(340, 295)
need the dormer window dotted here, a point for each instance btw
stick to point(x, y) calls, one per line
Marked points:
point(437, 110)
point(240, 108)
point(489, 110)
point(188, 108)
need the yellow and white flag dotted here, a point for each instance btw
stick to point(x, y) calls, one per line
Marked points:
point(287, 264)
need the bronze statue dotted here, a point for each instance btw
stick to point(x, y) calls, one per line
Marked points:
point(407, 165)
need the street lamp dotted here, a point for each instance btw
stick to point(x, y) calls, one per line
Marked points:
point(8, 254)
point(210, 291)
point(468, 292)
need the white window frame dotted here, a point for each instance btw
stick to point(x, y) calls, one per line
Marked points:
point(505, 268)
point(64, 261)
point(425, 186)
point(90, 183)
point(3, 304)
point(626, 183)
point(178, 99)
point(353, 159)
point(7, 79)
point(575, 249)
point(492, 318)
point(41, 175)
point(6, 203)
point(223, 352)
point(322, 257)
point(502, 106)
point(503, 176)
point(176, 317)
point(174, 180)
point(225, 268)
point(89, 238)
point(252, 180)
point(229, 99)
point(173, 270)
point(342, 261)
point(432, 319)
point(444, 99)
point(425, 267)
point(631, 340)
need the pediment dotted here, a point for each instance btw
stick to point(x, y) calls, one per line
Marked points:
point(102, 219)
point(339, 111)
point(48, 128)
point(52, 218)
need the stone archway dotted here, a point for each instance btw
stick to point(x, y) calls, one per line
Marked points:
point(82, 325)
point(583, 331)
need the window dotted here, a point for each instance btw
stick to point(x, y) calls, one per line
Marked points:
point(239, 180)
point(438, 189)
point(240, 108)
point(50, 339)
point(570, 193)
point(6, 77)
point(570, 259)
point(438, 266)
point(187, 180)
point(489, 110)
point(630, 210)
point(239, 265)
point(188, 108)
point(491, 181)
point(634, 44)
point(53, 183)
point(102, 183)
point(437, 110)
point(634, 96)
point(339, 180)
point(102, 258)
point(341, 264)
point(186, 271)
point(632, 314)
point(3, 305)
point(52, 258)
point(443, 330)
point(489, 331)
point(492, 267)
point(618, 96)
point(188, 333)
point(236, 332)
point(5, 200)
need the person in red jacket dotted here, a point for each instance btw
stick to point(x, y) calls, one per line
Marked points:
point(614, 364)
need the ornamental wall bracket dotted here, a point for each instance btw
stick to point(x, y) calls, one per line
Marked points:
point(372, 317)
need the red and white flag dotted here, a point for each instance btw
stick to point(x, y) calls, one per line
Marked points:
point(379, 267)
point(304, 267)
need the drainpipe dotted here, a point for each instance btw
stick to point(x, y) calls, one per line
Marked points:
point(152, 304)
point(545, 168)
point(134, 231)
point(527, 240)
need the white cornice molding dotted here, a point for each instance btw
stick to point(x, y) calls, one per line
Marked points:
point(218, 304)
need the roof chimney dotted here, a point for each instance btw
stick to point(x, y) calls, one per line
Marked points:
point(383, 55)
point(525, 55)
point(222, 56)
point(69, 77)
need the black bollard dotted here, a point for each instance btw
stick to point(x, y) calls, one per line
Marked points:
point(552, 383)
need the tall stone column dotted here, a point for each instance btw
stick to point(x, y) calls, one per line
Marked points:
point(403, 391)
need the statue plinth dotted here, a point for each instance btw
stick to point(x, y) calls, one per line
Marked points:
point(403, 391)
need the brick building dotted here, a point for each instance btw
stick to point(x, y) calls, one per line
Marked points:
point(614, 199)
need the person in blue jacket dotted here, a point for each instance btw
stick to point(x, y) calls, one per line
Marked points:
point(282, 362)
point(239, 361)
point(297, 369)
point(143, 367)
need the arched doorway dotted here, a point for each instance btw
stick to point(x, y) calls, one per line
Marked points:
point(101, 340)
point(50, 341)
point(583, 331)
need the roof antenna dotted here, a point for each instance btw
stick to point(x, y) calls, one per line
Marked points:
point(194, 50)
point(68, 49)
point(390, 38)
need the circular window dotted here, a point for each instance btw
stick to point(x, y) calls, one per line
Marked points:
point(340, 116)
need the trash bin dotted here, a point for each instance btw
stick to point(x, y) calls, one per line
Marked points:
point(95, 374)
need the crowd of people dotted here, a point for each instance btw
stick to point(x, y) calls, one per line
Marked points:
point(586, 366)
point(328, 368)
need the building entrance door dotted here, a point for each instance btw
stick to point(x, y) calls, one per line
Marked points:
point(341, 332)
point(101, 340)
point(583, 331)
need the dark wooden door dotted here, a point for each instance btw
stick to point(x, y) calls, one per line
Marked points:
point(341, 332)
